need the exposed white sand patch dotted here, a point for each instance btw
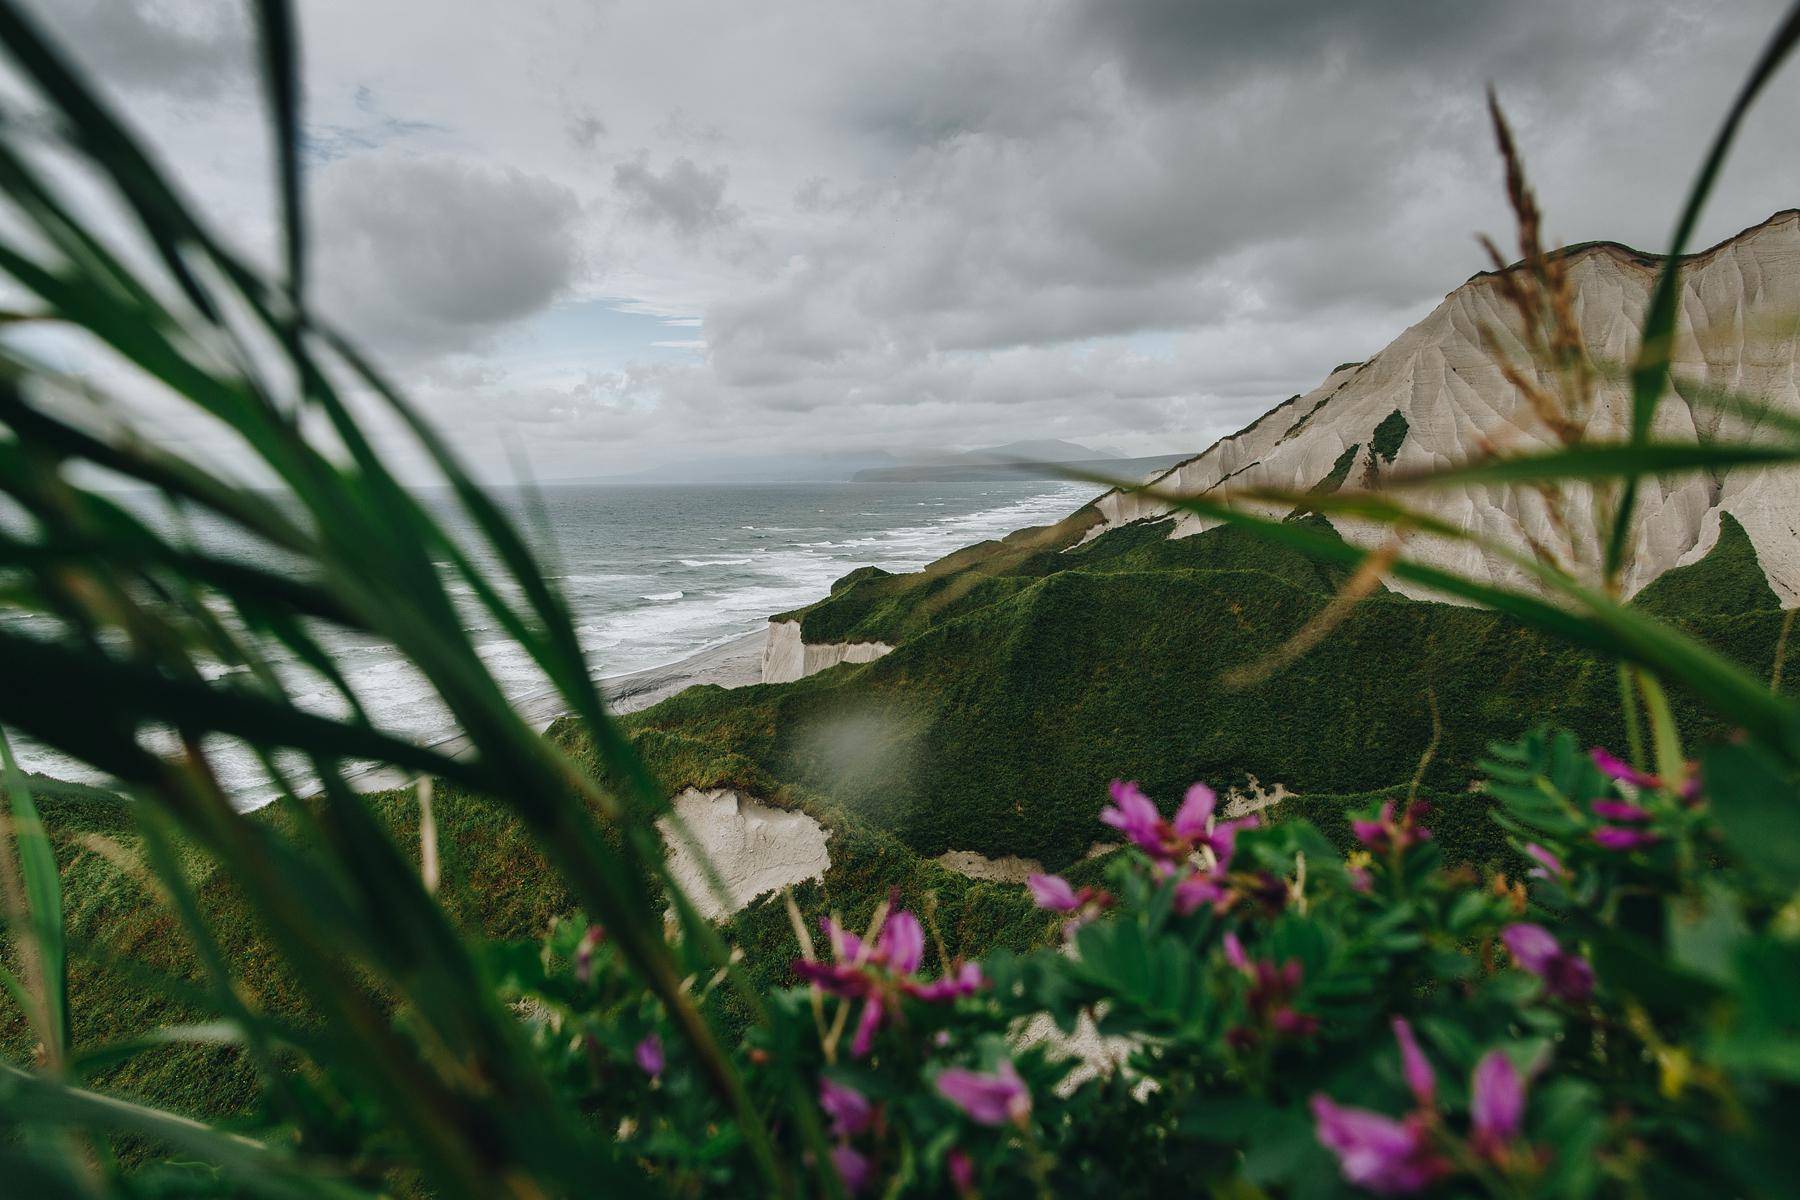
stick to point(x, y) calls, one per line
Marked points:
point(787, 658)
point(755, 848)
point(1008, 868)
point(1253, 797)
point(1097, 1055)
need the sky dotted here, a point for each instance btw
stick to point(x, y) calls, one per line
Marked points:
point(592, 237)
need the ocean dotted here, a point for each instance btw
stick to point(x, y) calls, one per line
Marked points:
point(657, 574)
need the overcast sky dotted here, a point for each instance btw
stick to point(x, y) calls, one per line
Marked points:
point(614, 233)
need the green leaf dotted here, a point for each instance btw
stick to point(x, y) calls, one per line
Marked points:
point(43, 898)
point(1757, 805)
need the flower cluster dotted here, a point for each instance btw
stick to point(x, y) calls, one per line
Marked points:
point(1055, 893)
point(1194, 848)
point(1566, 975)
point(1269, 999)
point(881, 974)
point(1399, 1156)
point(1388, 834)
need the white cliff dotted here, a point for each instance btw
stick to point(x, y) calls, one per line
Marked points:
point(754, 847)
point(1738, 329)
point(787, 658)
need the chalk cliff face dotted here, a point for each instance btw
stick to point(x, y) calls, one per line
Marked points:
point(1436, 396)
point(787, 658)
point(754, 847)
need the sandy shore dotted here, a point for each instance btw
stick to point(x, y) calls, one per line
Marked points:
point(730, 664)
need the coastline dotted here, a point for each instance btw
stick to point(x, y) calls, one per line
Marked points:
point(729, 664)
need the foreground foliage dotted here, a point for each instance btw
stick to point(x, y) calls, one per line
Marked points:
point(1289, 1019)
point(1620, 1022)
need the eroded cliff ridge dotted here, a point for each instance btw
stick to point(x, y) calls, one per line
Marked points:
point(1437, 395)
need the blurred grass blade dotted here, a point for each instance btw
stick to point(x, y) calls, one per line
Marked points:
point(1650, 373)
point(253, 1168)
point(43, 898)
point(281, 81)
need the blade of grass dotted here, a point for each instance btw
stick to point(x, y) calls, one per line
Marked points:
point(43, 897)
point(1650, 373)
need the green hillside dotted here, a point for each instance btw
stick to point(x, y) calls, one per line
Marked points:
point(1027, 674)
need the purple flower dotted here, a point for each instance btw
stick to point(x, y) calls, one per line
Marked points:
point(849, 1110)
point(1135, 816)
point(1614, 837)
point(1617, 768)
point(1234, 952)
point(649, 1055)
point(1549, 866)
point(962, 1171)
point(999, 1098)
point(1200, 888)
point(1496, 1103)
point(852, 1167)
point(901, 946)
point(966, 981)
point(879, 977)
point(1415, 1066)
point(1387, 833)
point(1619, 810)
point(1375, 1152)
point(1052, 892)
point(868, 1024)
point(1566, 975)
point(1195, 812)
point(845, 946)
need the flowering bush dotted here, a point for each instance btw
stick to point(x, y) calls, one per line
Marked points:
point(1612, 1014)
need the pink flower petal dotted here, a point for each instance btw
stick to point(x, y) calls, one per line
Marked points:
point(1617, 768)
point(849, 1110)
point(999, 1098)
point(901, 946)
point(1196, 809)
point(1496, 1101)
point(853, 1168)
point(1052, 892)
point(1376, 1152)
point(649, 1055)
point(1416, 1068)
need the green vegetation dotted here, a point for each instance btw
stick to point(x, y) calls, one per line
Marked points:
point(1388, 436)
point(304, 971)
point(999, 716)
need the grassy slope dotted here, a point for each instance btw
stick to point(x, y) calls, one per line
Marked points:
point(996, 724)
point(1025, 678)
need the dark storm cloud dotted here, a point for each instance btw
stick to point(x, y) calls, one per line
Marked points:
point(931, 221)
point(1174, 45)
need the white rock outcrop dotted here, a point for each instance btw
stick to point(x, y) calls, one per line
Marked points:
point(755, 848)
point(1008, 868)
point(1738, 330)
point(787, 658)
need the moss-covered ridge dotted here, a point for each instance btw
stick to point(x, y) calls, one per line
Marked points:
point(1003, 712)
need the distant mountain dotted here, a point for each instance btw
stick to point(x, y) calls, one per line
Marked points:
point(974, 468)
point(824, 467)
point(1043, 450)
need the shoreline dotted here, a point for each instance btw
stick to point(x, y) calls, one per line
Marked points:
point(730, 664)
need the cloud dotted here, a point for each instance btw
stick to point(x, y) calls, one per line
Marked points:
point(1130, 221)
point(185, 48)
point(686, 197)
point(436, 253)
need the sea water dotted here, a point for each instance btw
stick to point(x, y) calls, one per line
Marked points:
point(655, 574)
